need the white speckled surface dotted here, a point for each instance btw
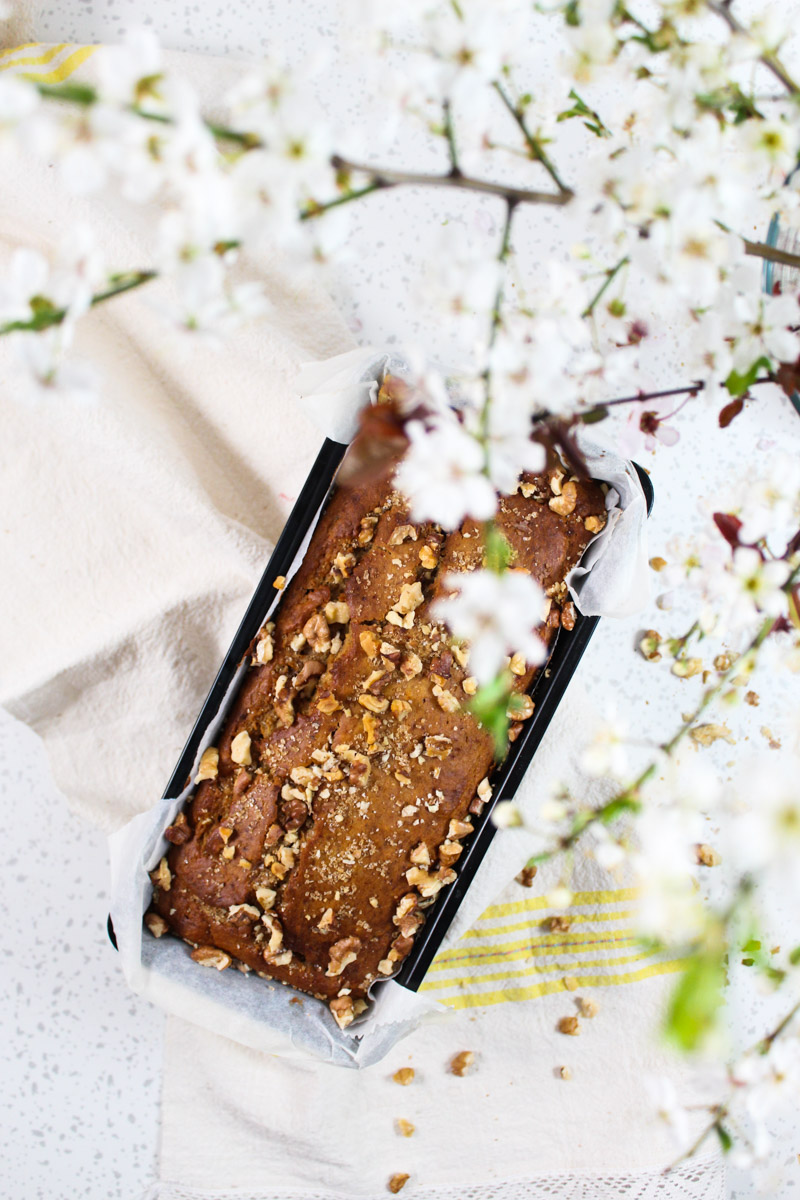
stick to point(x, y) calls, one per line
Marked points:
point(79, 1109)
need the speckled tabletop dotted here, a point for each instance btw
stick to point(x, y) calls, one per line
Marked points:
point(79, 1109)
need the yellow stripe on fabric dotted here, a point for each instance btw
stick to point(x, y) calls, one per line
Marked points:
point(549, 987)
point(67, 67)
point(16, 49)
point(615, 896)
point(552, 943)
point(35, 60)
point(574, 918)
point(546, 968)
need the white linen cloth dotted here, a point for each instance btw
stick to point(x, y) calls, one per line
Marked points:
point(135, 533)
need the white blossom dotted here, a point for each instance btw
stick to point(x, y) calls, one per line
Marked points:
point(497, 614)
point(442, 473)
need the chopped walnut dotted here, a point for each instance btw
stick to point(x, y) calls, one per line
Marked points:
point(526, 489)
point(370, 724)
point(325, 921)
point(298, 641)
point(520, 708)
point(559, 924)
point(595, 524)
point(317, 633)
point(484, 791)
point(343, 1011)
point(449, 852)
point(156, 924)
point(411, 665)
point(565, 503)
point(385, 966)
point(162, 876)
point(705, 735)
point(421, 855)
point(402, 534)
point(527, 876)
point(429, 885)
point(400, 709)
point(427, 557)
point(208, 767)
point(589, 1007)
point(568, 615)
point(341, 954)
point(438, 745)
point(210, 956)
point(461, 654)
point(461, 1063)
point(369, 643)
point(571, 983)
point(459, 828)
point(398, 1182)
point(555, 482)
point(275, 929)
point(179, 831)
point(344, 563)
point(367, 530)
point(279, 582)
point(446, 700)
point(569, 1025)
point(410, 598)
point(266, 897)
point(565, 1073)
point(470, 685)
point(404, 1128)
point(264, 648)
point(328, 705)
point(337, 612)
point(517, 664)
point(392, 654)
point(404, 1076)
point(373, 704)
point(240, 749)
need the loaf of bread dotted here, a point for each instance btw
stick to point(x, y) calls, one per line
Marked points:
point(333, 809)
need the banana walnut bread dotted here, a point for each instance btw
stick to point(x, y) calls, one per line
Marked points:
point(334, 807)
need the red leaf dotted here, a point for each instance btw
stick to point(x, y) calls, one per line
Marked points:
point(729, 527)
point(730, 411)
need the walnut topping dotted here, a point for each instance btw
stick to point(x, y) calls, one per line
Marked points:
point(369, 643)
point(156, 924)
point(421, 855)
point(460, 654)
point(402, 534)
point(404, 1128)
point(266, 897)
point(429, 885)
point(565, 503)
point(400, 709)
point(437, 745)
point(341, 954)
point(374, 678)
point(411, 665)
point(405, 622)
point(367, 530)
point(337, 612)
point(298, 641)
point(226, 832)
point(569, 1025)
point(409, 810)
point(162, 876)
point(178, 832)
point(526, 876)
point(385, 966)
point(325, 921)
point(344, 563)
point(410, 598)
point(240, 749)
point(461, 1063)
point(279, 582)
point(374, 704)
point(459, 828)
point(281, 959)
point(470, 685)
point(278, 870)
point(595, 524)
point(568, 615)
point(249, 910)
point(398, 1182)
point(264, 648)
point(392, 654)
point(328, 705)
point(317, 633)
point(589, 1007)
point(446, 700)
point(209, 765)
point(275, 933)
point(309, 670)
point(343, 1011)
point(427, 557)
point(403, 1076)
point(560, 924)
point(228, 852)
point(517, 664)
point(402, 779)
point(370, 725)
point(484, 791)
point(520, 708)
point(555, 482)
point(210, 956)
point(564, 1073)
point(407, 905)
point(449, 852)
point(526, 489)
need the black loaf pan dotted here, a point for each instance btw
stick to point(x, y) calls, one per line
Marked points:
point(547, 689)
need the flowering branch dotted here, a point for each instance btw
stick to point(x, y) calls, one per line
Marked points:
point(722, 9)
point(535, 148)
point(47, 315)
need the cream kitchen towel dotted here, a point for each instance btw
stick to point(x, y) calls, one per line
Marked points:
point(134, 532)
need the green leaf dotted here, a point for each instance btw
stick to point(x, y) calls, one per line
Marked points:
point(794, 956)
point(751, 946)
point(695, 1001)
point(738, 383)
point(725, 1139)
point(615, 808)
point(594, 415)
point(572, 13)
point(499, 554)
point(490, 707)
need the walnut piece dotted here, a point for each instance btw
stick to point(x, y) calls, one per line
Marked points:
point(264, 648)
point(162, 876)
point(589, 1007)
point(402, 534)
point(410, 598)
point(569, 1025)
point(156, 924)
point(317, 633)
point(208, 767)
point(337, 612)
point(595, 524)
point(520, 708)
point(438, 745)
point(411, 665)
point(470, 685)
point(343, 1011)
point(240, 749)
point(564, 503)
point(404, 1127)
point(328, 705)
point(446, 700)
point(385, 966)
point(526, 876)
point(210, 956)
point(404, 1076)
point(341, 954)
point(427, 557)
point(266, 897)
point(706, 856)
point(373, 704)
point(421, 855)
point(398, 1182)
point(369, 643)
point(401, 709)
point(461, 1063)
point(517, 664)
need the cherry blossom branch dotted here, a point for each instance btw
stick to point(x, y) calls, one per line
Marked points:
point(771, 253)
point(386, 177)
point(47, 316)
point(722, 9)
point(611, 275)
point(533, 143)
